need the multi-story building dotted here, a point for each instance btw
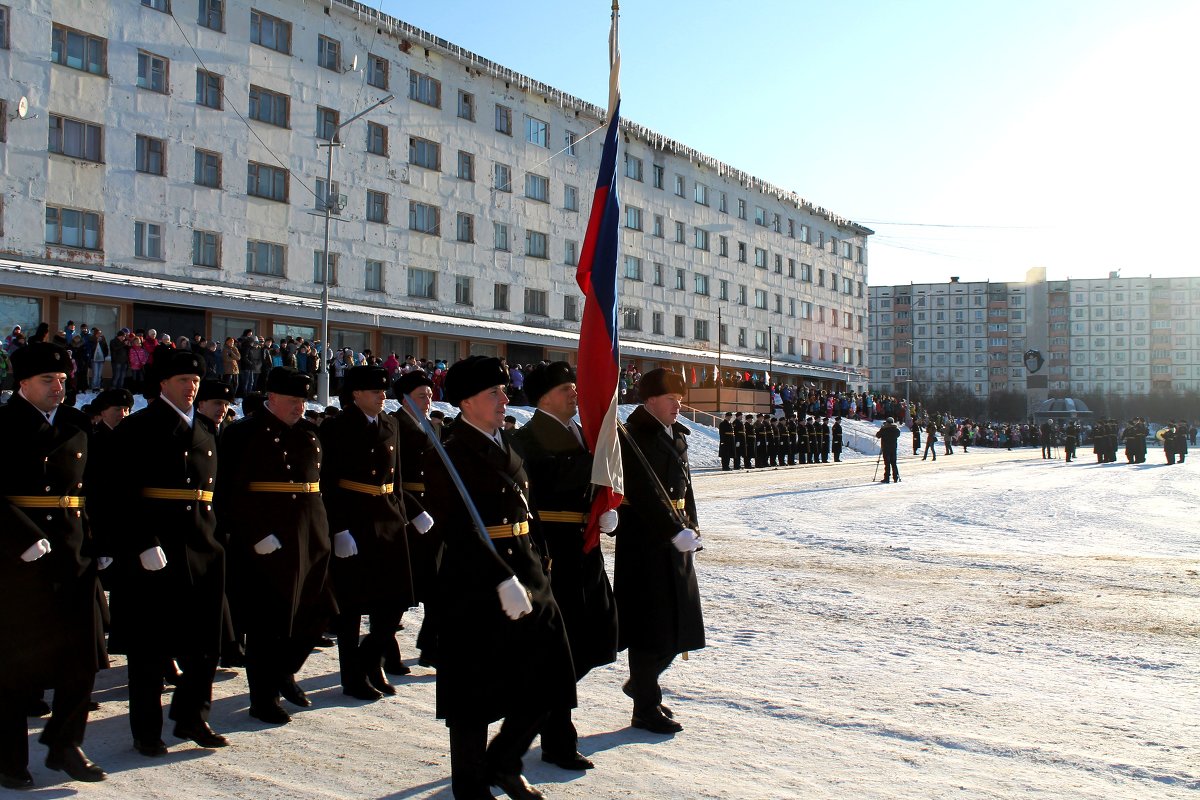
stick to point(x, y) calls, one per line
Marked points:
point(1123, 336)
point(170, 171)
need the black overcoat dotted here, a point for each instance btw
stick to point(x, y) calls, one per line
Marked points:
point(728, 442)
point(560, 479)
point(48, 619)
point(425, 549)
point(489, 665)
point(658, 599)
point(380, 576)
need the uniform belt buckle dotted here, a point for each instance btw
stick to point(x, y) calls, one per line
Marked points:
point(64, 502)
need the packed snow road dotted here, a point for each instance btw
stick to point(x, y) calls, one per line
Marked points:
point(995, 626)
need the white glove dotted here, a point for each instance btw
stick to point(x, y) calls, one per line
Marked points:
point(514, 598)
point(686, 541)
point(103, 562)
point(344, 545)
point(36, 550)
point(422, 522)
point(608, 521)
point(153, 559)
point(268, 545)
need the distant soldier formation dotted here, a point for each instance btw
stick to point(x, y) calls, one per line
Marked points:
point(750, 441)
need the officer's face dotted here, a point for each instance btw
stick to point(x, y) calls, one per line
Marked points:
point(561, 402)
point(664, 407)
point(485, 410)
point(370, 401)
point(422, 396)
point(112, 416)
point(181, 390)
point(286, 408)
point(213, 409)
point(45, 391)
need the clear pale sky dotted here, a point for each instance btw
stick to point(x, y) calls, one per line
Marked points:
point(1059, 133)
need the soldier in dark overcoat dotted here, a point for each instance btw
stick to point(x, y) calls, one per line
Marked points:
point(371, 570)
point(48, 619)
point(836, 445)
point(825, 440)
point(559, 466)
point(801, 441)
point(761, 448)
point(169, 600)
point(658, 599)
point(424, 538)
point(213, 401)
point(269, 502)
point(502, 647)
point(751, 452)
point(728, 444)
point(740, 453)
point(792, 440)
point(1071, 441)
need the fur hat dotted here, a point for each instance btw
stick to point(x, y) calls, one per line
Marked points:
point(408, 382)
point(471, 376)
point(289, 381)
point(365, 378)
point(39, 358)
point(660, 381)
point(214, 390)
point(544, 377)
point(112, 398)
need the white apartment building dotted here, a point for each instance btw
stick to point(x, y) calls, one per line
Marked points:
point(169, 172)
point(1124, 336)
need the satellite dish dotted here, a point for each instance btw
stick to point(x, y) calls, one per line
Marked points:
point(23, 107)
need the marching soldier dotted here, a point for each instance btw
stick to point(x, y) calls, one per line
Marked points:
point(170, 600)
point(751, 441)
point(658, 599)
point(371, 571)
point(560, 475)
point(825, 440)
point(270, 504)
point(502, 647)
point(728, 446)
point(213, 400)
point(1071, 441)
point(837, 439)
point(760, 441)
point(425, 548)
point(48, 619)
point(814, 441)
point(739, 442)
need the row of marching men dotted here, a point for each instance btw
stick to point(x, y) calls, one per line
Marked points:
point(302, 528)
point(770, 441)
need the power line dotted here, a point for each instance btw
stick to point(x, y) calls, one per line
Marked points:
point(948, 225)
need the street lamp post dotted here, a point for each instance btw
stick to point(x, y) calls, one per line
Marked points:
point(719, 374)
point(323, 374)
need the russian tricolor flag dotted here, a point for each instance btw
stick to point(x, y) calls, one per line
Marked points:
point(599, 341)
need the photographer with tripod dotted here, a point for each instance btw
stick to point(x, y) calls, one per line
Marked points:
point(889, 437)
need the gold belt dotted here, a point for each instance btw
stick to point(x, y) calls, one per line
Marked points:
point(508, 531)
point(178, 494)
point(367, 488)
point(413, 487)
point(562, 516)
point(678, 505)
point(33, 501)
point(280, 486)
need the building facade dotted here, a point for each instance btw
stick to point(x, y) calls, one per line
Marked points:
point(170, 172)
point(1121, 336)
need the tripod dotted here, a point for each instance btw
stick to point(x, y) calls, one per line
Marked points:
point(878, 459)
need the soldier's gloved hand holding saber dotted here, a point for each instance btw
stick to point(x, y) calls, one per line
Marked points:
point(686, 544)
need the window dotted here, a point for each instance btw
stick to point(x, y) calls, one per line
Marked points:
point(269, 107)
point(701, 330)
point(319, 268)
point(701, 284)
point(329, 196)
point(466, 106)
point(206, 249)
point(778, 264)
point(465, 227)
point(75, 138)
point(680, 233)
point(791, 267)
point(462, 290)
point(424, 89)
point(329, 53)
point(504, 120)
point(570, 140)
point(500, 236)
point(820, 277)
point(503, 177)
point(422, 217)
point(633, 218)
point(679, 186)
point(760, 258)
point(633, 268)
point(536, 245)
point(71, 227)
point(150, 156)
point(208, 89)
point(265, 258)
point(760, 299)
point(500, 297)
point(424, 153)
point(723, 290)
point(659, 222)
point(158, 5)
point(271, 32)
point(723, 246)
point(422, 283)
point(377, 206)
point(631, 319)
point(741, 257)
point(741, 295)
point(571, 308)
point(208, 169)
point(658, 274)
point(537, 132)
point(327, 123)
point(633, 167)
point(377, 71)
point(681, 279)
point(466, 166)
point(570, 198)
point(656, 322)
point(701, 239)
point(659, 178)
point(77, 50)
point(571, 253)
point(212, 15)
point(377, 139)
point(680, 321)
point(263, 180)
point(701, 194)
point(536, 303)
point(374, 276)
point(741, 208)
point(537, 187)
point(152, 72)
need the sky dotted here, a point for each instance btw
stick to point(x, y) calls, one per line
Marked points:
point(976, 139)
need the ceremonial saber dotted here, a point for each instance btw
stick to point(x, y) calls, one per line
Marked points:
point(477, 520)
point(658, 485)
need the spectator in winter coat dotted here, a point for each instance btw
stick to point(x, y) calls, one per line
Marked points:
point(118, 350)
point(231, 359)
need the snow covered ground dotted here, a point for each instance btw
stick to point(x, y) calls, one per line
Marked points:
point(995, 626)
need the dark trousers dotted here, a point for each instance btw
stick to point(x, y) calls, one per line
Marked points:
point(1046, 451)
point(270, 661)
point(644, 668)
point(427, 637)
point(559, 736)
point(930, 447)
point(355, 657)
point(64, 729)
point(473, 760)
point(889, 460)
point(190, 702)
